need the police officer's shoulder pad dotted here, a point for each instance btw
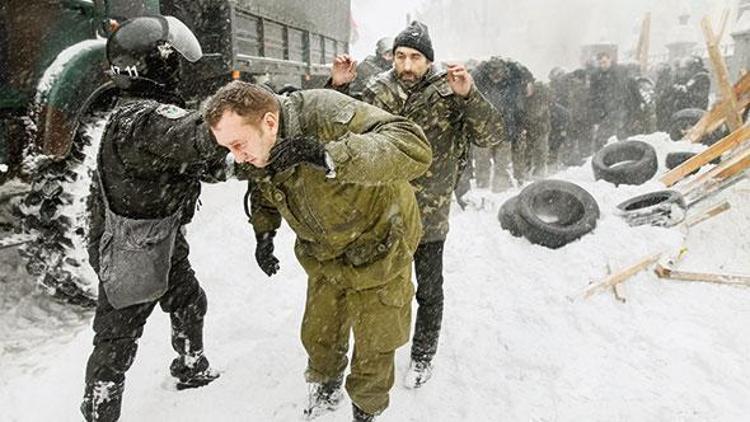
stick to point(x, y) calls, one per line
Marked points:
point(171, 111)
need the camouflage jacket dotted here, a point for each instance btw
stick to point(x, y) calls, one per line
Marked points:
point(368, 69)
point(449, 122)
point(363, 224)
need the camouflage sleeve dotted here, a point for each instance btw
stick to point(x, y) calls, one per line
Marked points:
point(180, 138)
point(264, 217)
point(370, 97)
point(344, 89)
point(483, 124)
point(379, 147)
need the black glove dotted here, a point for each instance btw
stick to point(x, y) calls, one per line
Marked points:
point(288, 153)
point(264, 253)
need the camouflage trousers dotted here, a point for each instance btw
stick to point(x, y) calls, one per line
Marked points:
point(379, 318)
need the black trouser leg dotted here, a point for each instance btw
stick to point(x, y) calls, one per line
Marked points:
point(186, 303)
point(115, 344)
point(117, 330)
point(428, 266)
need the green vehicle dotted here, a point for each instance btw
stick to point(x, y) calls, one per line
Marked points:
point(55, 96)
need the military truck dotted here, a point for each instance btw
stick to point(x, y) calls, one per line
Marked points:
point(55, 95)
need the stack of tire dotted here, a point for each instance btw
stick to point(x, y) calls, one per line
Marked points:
point(550, 213)
point(634, 163)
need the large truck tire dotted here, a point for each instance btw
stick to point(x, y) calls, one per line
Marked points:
point(54, 212)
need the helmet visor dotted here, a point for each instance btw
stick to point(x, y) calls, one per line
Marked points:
point(183, 40)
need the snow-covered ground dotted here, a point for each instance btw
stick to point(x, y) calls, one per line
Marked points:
point(519, 342)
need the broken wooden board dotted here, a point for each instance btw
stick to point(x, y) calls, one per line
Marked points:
point(712, 188)
point(730, 142)
point(723, 171)
point(715, 117)
point(622, 275)
point(722, 25)
point(733, 117)
point(706, 214)
point(716, 278)
point(644, 43)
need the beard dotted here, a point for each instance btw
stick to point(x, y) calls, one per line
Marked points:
point(408, 79)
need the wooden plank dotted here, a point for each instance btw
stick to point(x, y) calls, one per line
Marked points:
point(742, 104)
point(714, 118)
point(644, 43)
point(717, 278)
point(695, 162)
point(622, 275)
point(723, 171)
point(707, 214)
point(722, 26)
point(711, 189)
point(734, 120)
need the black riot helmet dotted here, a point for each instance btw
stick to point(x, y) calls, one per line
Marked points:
point(147, 49)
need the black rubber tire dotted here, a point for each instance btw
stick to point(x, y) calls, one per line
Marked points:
point(508, 217)
point(715, 136)
point(674, 159)
point(55, 258)
point(573, 209)
point(625, 163)
point(683, 120)
point(655, 208)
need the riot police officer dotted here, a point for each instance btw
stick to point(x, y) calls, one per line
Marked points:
point(152, 158)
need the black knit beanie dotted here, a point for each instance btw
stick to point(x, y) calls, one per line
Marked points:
point(416, 36)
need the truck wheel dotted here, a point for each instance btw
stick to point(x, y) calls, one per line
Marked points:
point(553, 213)
point(508, 215)
point(54, 212)
point(661, 208)
point(683, 120)
point(625, 163)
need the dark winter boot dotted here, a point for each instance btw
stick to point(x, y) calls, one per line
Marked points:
point(192, 371)
point(323, 397)
point(102, 401)
point(419, 372)
point(360, 415)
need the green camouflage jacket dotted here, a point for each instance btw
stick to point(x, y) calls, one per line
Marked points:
point(449, 122)
point(364, 223)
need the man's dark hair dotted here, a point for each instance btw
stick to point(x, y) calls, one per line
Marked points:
point(247, 100)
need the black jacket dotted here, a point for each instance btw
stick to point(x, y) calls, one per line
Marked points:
point(152, 158)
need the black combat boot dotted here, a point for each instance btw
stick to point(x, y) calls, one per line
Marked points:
point(192, 371)
point(419, 372)
point(323, 397)
point(102, 401)
point(360, 415)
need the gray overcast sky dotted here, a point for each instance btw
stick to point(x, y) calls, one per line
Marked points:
point(540, 33)
point(379, 18)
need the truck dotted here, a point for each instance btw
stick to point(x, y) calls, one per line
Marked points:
point(55, 97)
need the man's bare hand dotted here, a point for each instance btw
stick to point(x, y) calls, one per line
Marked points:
point(460, 80)
point(344, 70)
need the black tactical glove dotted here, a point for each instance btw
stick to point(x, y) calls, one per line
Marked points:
point(264, 253)
point(288, 153)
